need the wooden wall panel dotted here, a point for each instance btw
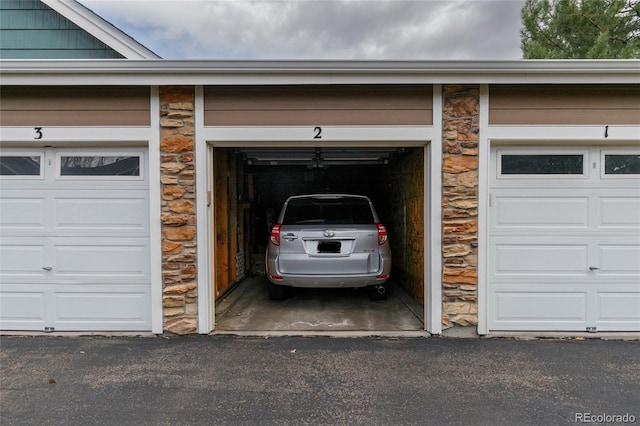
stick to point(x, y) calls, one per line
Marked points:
point(74, 106)
point(318, 105)
point(221, 210)
point(564, 105)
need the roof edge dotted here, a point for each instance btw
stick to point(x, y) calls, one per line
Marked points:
point(161, 72)
point(507, 66)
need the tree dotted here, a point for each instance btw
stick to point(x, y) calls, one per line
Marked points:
point(581, 29)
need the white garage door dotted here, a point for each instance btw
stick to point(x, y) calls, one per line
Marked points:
point(564, 239)
point(74, 249)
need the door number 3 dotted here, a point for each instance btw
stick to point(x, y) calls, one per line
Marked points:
point(38, 134)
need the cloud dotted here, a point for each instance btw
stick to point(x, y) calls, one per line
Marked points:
point(320, 29)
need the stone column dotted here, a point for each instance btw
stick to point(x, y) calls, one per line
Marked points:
point(460, 204)
point(177, 174)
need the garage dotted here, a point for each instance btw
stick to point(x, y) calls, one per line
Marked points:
point(75, 239)
point(564, 238)
point(259, 159)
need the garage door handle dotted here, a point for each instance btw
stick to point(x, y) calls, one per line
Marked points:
point(47, 268)
point(594, 268)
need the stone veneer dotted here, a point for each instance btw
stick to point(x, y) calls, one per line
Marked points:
point(460, 204)
point(177, 174)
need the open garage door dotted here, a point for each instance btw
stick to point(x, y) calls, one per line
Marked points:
point(565, 239)
point(252, 183)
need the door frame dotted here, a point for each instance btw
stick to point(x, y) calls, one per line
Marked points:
point(206, 249)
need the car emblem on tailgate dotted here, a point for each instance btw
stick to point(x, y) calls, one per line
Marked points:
point(329, 233)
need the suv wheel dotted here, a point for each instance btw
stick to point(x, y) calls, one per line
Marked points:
point(276, 292)
point(378, 292)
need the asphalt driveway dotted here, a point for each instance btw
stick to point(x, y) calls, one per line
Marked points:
point(316, 380)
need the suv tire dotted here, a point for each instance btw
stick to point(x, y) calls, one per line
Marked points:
point(276, 292)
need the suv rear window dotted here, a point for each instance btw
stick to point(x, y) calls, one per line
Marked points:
point(334, 211)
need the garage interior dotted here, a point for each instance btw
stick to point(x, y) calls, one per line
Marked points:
point(250, 184)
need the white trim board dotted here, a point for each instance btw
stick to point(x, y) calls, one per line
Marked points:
point(601, 134)
point(155, 210)
point(46, 135)
point(483, 209)
point(318, 135)
point(433, 225)
point(204, 220)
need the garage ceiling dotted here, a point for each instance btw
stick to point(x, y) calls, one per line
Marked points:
point(317, 157)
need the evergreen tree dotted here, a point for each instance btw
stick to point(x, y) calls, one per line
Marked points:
point(581, 29)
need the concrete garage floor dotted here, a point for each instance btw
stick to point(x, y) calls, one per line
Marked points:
point(247, 310)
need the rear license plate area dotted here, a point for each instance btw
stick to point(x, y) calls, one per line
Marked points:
point(329, 246)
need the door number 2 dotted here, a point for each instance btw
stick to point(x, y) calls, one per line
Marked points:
point(317, 132)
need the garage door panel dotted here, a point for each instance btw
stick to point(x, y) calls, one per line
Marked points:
point(619, 310)
point(543, 309)
point(22, 310)
point(68, 308)
point(619, 212)
point(619, 306)
point(20, 213)
point(101, 258)
point(619, 259)
point(107, 213)
point(512, 211)
point(21, 258)
point(102, 308)
point(540, 259)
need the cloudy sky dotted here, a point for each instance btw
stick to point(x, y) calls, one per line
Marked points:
point(320, 29)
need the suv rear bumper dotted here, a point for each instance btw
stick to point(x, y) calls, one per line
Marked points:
point(327, 280)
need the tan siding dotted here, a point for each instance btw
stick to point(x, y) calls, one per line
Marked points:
point(75, 106)
point(562, 104)
point(318, 105)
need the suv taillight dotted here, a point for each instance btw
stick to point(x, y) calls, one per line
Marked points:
point(382, 234)
point(275, 234)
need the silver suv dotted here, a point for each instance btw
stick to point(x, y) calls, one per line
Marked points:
point(328, 240)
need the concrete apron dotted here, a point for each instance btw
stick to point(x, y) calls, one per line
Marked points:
point(247, 310)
